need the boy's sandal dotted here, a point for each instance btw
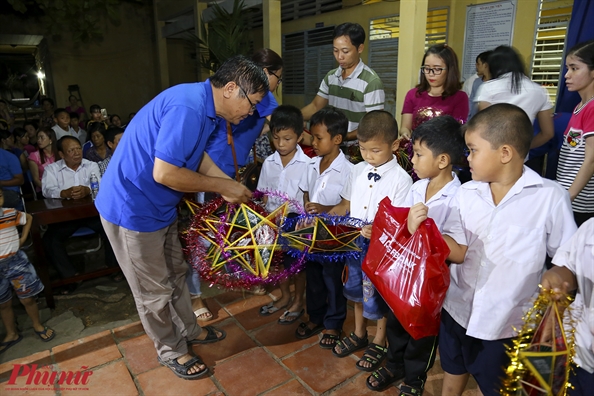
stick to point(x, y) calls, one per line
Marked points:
point(406, 390)
point(374, 354)
point(269, 309)
point(307, 331)
point(329, 345)
point(44, 336)
point(289, 317)
point(211, 336)
point(181, 370)
point(347, 346)
point(8, 344)
point(384, 379)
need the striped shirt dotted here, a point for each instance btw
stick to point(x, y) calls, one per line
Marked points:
point(573, 154)
point(9, 237)
point(359, 93)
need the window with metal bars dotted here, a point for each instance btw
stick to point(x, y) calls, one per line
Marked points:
point(383, 47)
point(549, 43)
point(307, 57)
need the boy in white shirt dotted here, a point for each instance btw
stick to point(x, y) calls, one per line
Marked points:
point(62, 127)
point(371, 181)
point(282, 172)
point(501, 226)
point(326, 176)
point(437, 145)
point(573, 270)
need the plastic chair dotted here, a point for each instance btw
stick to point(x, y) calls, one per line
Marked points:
point(86, 147)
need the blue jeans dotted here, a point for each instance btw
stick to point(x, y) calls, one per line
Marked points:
point(358, 287)
point(18, 274)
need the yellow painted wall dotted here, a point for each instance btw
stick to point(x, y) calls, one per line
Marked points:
point(523, 36)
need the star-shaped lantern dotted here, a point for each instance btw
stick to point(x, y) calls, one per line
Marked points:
point(320, 235)
point(542, 353)
point(250, 241)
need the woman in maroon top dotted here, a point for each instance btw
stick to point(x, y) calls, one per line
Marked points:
point(438, 92)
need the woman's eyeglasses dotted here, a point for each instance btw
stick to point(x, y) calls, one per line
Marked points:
point(435, 70)
point(280, 79)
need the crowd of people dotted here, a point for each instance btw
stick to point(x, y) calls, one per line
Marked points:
point(500, 226)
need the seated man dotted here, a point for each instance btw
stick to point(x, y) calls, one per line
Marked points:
point(68, 178)
point(112, 138)
point(11, 178)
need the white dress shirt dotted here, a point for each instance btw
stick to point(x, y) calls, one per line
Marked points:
point(58, 177)
point(275, 177)
point(70, 132)
point(577, 255)
point(325, 188)
point(438, 204)
point(365, 194)
point(507, 246)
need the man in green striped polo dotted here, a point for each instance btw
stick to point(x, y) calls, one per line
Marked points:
point(353, 87)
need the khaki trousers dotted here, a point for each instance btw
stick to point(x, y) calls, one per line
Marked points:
point(155, 268)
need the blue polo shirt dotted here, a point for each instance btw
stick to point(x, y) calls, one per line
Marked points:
point(244, 136)
point(10, 166)
point(173, 127)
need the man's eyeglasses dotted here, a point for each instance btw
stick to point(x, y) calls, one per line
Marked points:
point(435, 70)
point(280, 79)
point(253, 106)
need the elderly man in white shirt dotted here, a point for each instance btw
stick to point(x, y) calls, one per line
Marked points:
point(69, 178)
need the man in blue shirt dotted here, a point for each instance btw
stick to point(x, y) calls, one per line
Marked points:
point(160, 157)
point(11, 178)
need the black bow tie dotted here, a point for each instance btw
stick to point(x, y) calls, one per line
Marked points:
point(375, 176)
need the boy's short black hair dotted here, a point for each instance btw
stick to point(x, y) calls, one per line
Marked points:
point(378, 124)
point(441, 135)
point(286, 117)
point(504, 123)
point(111, 133)
point(59, 111)
point(335, 121)
point(49, 100)
point(74, 114)
point(94, 108)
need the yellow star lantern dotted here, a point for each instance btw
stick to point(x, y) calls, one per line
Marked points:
point(320, 237)
point(250, 241)
point(542, 353)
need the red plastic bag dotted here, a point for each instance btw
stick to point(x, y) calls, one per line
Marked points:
point(409, 272)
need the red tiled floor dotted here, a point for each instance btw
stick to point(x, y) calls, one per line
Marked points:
point(218, 313)
point(40, 358)
point(231, 297)
point(113, 379)
point(357, 387)
point(319, 369)
point(290, 388)
point(247, 311)
point(127, 331)
point(23, 389)
point(236, 342)
point(162, 382)
point(239, 376)
point(238, 365)
point(87, 352)
point(281, 340)
point(140, 354)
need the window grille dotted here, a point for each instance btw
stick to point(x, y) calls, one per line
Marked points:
point(307, 57)
point(549, 43)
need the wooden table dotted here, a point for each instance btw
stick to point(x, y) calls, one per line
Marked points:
point(51, 211)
